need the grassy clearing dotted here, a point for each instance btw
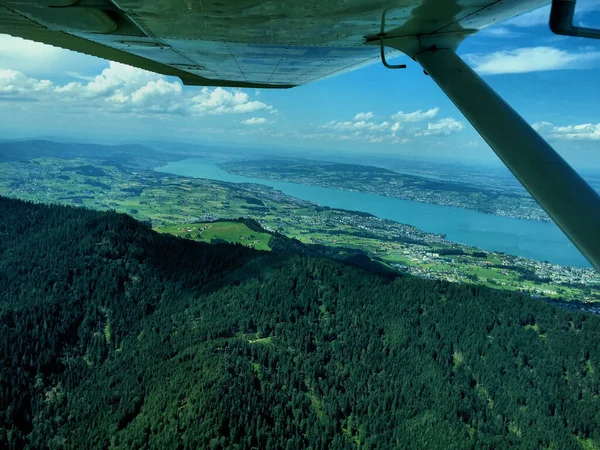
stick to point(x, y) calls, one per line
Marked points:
point(256, 339)
point(107, 331)
point(232, 232)
point(588, 444)
point(457, 359)
point(589, 368)
point(515, 429)
point(536, 329)
point(316, 405)
point(263, 341)
point(483, 394)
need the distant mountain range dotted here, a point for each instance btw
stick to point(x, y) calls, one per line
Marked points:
point(27, 149)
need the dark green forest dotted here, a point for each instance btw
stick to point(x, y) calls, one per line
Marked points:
point(113, 336)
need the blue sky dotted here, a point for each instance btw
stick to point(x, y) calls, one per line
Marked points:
point(552, 81)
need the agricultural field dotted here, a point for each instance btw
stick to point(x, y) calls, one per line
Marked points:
point(232, 232)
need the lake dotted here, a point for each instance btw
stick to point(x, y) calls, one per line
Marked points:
point(531, 239)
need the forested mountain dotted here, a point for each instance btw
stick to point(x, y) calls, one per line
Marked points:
point(113, 336)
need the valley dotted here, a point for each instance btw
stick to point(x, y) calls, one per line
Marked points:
point(187, 207)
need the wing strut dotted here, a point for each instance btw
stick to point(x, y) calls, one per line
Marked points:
point(564, 195)
point(561, 20)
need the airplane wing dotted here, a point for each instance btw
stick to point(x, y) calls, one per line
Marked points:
point(244, 43)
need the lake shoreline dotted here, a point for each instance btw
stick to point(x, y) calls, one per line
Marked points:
point(537, 240)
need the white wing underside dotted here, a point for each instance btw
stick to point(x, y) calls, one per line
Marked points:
point(245, 43)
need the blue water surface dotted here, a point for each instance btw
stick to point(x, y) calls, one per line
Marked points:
point(531, 239)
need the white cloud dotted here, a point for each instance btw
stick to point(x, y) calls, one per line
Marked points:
point(395, 127)
point(120, 88)
point(14, 84)
point(539, 126)
point(222, 101)
point(531, 59)
point(79, 76)
point(40, 60)
point(500, 32)
point(443, 127)
point(362, 125)
point(356, 126)
point(364, 116)
point(582, 132)
point(586, 131)
point(415, 116)
point(392, 131)
point(255, 121)
point(472, 144)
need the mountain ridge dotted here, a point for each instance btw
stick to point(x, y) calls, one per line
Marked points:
point(113, 336)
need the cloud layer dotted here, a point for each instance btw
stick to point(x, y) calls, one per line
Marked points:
point(415, 116)
point(531, 59)
point(582, 132)
point(256, 121)
point(40, 60)
point(123, 89)
point(443, 127)
point(399, 128)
